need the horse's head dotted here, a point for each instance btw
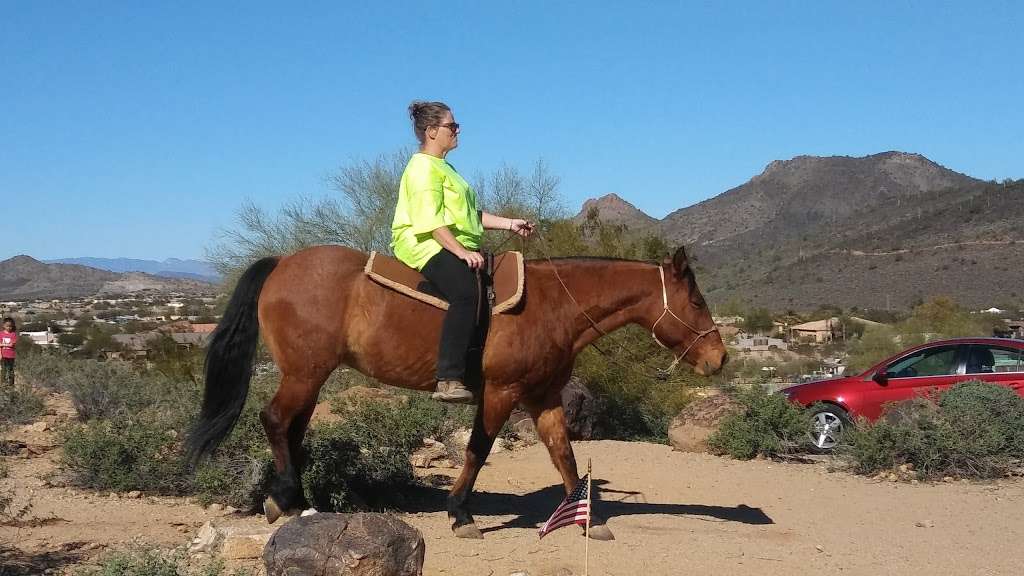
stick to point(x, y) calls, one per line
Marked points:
point(684, 324)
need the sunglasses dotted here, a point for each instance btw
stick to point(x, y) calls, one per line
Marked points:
point(453, 126)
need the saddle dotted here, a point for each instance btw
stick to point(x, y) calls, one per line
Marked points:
point(503, 276)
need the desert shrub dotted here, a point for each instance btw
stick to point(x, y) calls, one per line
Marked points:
point(974, 430)
point(239, 472)
point(633, 405)
point(19, 404)
point(114, 389)
point(769, 425)
point(43, 369)
point(125, 454)
point(152, 562)
point(364, 458)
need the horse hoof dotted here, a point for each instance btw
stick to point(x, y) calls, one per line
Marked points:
point(468, 531)
point(601, 533)
point(271, 510)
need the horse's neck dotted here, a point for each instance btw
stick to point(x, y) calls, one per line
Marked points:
point(613, 293)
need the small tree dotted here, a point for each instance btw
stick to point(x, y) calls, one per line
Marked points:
point(758, 321)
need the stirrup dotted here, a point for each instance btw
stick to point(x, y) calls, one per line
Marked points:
point(453, 391)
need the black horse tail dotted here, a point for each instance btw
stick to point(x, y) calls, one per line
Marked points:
point(229, 361)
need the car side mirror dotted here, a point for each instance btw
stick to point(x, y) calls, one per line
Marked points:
point(881, 378)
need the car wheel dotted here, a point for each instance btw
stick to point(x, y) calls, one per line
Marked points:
point(826, 427)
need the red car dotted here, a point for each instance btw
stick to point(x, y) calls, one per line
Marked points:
point(925, 368)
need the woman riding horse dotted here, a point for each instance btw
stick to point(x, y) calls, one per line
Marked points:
point(317, 310)
point(437, 230)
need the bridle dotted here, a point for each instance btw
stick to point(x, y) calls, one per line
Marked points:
point(668, 311)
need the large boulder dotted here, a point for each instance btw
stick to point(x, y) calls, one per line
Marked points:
point(361, 544)
point(690, 430)
point(581, 410)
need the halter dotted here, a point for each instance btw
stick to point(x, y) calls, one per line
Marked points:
point(668, 311)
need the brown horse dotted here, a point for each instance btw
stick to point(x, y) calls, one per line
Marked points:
point(318, 310)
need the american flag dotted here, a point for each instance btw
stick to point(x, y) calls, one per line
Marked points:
point(573, 510)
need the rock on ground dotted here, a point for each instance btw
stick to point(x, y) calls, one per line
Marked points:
point(364, 544)
point(431, 452)
point(690, 430)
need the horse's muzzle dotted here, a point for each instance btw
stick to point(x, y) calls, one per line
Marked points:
point(711, 366)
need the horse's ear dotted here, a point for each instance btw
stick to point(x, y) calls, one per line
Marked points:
point(680, 261)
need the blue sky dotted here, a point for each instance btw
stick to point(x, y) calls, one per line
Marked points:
point(130, 130)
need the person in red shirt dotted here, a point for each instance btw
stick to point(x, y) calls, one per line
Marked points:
point(8, 338)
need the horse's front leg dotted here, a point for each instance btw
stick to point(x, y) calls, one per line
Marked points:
point(549, 419)
point(491, 414)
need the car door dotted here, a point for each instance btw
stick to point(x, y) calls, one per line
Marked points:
point(996, 364)
point(915, 374)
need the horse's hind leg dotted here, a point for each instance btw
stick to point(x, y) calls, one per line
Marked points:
point(285, 419)
point(491, 415)
point(549, 419)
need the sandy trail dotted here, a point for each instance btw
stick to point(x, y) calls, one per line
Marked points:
point(672, 513)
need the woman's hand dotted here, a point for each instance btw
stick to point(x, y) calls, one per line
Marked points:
point(474, 260)
point(521, 227)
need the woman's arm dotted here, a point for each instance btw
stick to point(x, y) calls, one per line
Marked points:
point(447, 241)
point(495, 222)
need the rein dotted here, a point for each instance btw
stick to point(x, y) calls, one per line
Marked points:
point(666, 311)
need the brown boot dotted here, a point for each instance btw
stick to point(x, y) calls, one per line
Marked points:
point(453, 391)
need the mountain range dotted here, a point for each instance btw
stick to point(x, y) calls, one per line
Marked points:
point(25, 278)
point(171, 267)
point(880, 231)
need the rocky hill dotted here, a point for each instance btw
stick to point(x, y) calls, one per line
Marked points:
point(614, 210)
point(24, 278)
point(878, 231)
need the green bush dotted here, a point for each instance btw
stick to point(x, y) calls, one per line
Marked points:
point(768, 425)
point(151, 562)
point(364, 458)
point(239, 472)
point(43, 369)
point(130, 440)
point(633, 405)
point(113, 389)
point(125, 454)
point(974, 430)
point(19, 405)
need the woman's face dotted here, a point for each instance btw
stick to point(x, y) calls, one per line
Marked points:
point(448, 132)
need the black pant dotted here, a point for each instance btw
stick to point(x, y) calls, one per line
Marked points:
point(464, 322)
point(8, 371)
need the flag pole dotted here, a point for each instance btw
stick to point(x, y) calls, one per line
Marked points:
point(586, 548)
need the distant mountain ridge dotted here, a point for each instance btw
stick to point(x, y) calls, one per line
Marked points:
point(171, 267)
point(877, 231)
point(25, 278)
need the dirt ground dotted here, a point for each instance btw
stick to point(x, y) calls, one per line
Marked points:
point(671, 512)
